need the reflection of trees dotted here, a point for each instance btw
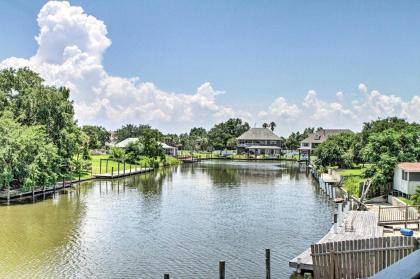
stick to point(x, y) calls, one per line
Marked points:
point(30, 232)
point(230, 173)
point(148, 183)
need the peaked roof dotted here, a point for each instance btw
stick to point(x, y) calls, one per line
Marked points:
point(410, 166)
point(323, 134)
point(128, 141)
point(258, 134)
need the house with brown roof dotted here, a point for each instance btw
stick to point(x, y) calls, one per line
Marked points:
point(310, 143)
point(406, 178)
point(259, 141)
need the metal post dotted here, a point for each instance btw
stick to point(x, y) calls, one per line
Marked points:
point(267, 264)
point(222, 270)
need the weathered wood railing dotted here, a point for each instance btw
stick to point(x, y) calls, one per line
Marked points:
point(391, 215)
point(359, 258)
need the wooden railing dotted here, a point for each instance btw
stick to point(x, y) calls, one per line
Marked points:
point(392, 215)
point(359, 258)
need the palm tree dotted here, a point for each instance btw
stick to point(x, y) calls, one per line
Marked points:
point(265, 125)
point(272, 125)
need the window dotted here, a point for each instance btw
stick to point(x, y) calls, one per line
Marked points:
point(414, 176)
point(305, 144)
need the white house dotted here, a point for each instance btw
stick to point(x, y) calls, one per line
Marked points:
point(407, 178)
point(169, 150)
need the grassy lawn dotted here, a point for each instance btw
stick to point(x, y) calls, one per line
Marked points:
point(96, 165)
point(406, 201)
point(353, 179)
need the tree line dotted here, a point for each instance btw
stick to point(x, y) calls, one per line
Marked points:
point(381, 145)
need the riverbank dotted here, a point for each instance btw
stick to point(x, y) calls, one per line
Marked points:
point(101, 167)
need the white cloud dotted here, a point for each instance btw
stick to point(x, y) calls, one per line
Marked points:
point(71, 45)
point(363, 88)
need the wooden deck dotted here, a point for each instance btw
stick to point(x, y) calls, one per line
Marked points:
point(356, 225)
point(119, 174)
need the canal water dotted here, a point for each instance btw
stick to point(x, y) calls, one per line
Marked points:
point(182, 220)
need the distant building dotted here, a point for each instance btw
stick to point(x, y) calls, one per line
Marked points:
point(259, 141)
point(406, 178)
point(313, 140)
point(169, 150)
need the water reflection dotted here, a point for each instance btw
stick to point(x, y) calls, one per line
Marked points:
point(181, 220)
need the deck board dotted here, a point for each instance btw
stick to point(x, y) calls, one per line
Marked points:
point(364, 226)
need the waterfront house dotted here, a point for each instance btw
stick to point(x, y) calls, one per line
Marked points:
point(310, 143)
point(259, 141)
point(406, 178)
point(169, 150)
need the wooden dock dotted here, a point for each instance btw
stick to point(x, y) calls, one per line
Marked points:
point(118, 174)
point(355, 225)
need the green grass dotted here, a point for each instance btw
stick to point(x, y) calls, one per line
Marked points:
point(406, 201)
point(353, 179)
point(352, 185)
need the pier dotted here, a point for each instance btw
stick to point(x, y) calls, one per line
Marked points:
point(117, 174)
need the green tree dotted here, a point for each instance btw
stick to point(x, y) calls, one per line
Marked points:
point(222, 132)
point(336, 151)
point(98, 136)
point(27, 158)
point(23, 93)
point(273, 125)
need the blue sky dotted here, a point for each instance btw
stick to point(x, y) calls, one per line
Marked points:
point(254, 51)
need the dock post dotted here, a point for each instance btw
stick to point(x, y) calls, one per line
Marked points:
point(62, 186)
point(339, 213)
point(112, 172)
point(106, 166)
point(100, 166)
point(222, 270)
point(406, 216)
point(8, 193)
point(335, 222)
point(267, 264)
point(118, 168)
point(166, 276)
point(33, 193)
point(124, 167)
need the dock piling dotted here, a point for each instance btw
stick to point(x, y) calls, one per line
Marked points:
point(222, 270)
point(166, 276)
point(267, 264)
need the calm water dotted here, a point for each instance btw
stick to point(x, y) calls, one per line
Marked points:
point(181, 220)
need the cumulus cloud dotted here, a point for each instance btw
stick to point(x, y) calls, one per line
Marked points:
point(363, 88)
point(71, 45)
